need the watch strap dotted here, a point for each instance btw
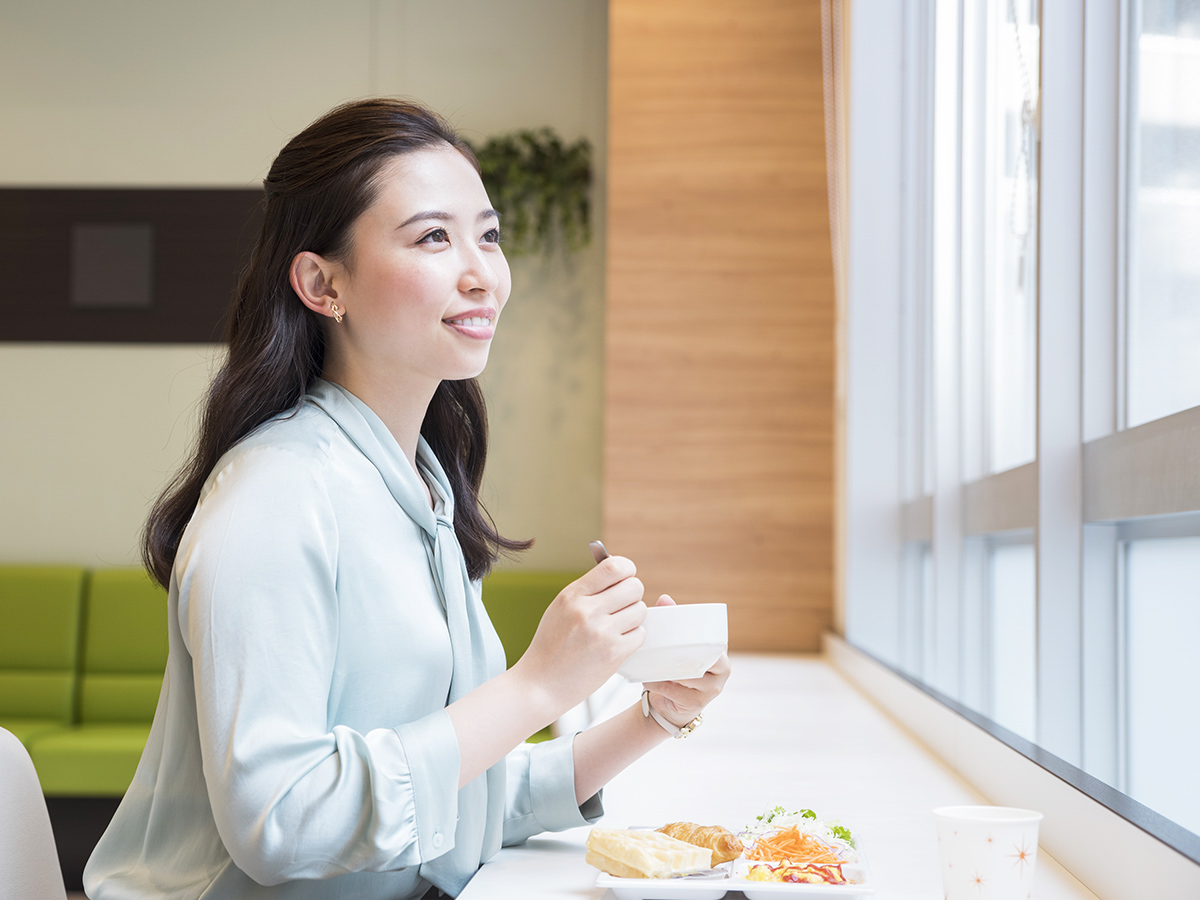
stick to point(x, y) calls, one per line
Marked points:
point(675, 731)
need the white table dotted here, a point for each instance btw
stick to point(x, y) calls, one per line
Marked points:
point(788, 730)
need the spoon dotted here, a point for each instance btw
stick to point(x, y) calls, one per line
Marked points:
point(598, 552)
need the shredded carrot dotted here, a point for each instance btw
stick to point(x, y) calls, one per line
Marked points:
point(790, 845)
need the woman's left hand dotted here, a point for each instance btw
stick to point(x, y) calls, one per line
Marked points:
point(681, 701)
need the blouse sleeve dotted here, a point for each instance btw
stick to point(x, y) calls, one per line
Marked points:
point(292, 797)
point(541, 791)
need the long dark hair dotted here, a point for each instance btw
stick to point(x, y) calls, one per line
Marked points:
point(318, 185)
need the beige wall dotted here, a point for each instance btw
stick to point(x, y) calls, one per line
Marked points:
point(180, 94)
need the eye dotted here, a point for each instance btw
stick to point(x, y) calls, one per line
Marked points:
point(437, 236)
point(492, 236)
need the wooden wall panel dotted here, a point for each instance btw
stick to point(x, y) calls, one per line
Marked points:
point(720, 312)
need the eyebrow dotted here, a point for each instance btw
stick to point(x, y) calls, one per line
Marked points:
point(438, 214)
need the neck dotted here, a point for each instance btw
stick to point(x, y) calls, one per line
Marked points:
point(399, 402)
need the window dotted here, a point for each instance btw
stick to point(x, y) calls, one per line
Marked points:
point(1163, 142)
point(1012, 627)
point(1045, 511)
point(1163, 732)
point(1009, 71)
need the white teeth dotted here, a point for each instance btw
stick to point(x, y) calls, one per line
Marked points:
point(474, 321)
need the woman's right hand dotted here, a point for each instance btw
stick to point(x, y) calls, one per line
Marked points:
point(590, 628)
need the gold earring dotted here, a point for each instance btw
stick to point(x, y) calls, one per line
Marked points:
point(336, 315)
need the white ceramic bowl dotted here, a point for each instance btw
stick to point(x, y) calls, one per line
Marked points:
point(681, 642)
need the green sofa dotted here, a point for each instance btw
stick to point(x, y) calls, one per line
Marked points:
point(81, 664)
point(122, 660)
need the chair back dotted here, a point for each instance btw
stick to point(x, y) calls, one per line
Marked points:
point(29, 866)
point(124, 647)
point(515, 601)
point(39, 639)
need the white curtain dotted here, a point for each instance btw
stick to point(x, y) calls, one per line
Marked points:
point(835, 15)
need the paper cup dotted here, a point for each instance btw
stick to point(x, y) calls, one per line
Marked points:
point(988, 852)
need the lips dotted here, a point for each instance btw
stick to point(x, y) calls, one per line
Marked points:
point(474, 323)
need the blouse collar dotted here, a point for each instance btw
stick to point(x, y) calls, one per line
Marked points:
point(368, 432)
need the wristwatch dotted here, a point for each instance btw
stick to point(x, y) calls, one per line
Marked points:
point(680, 732)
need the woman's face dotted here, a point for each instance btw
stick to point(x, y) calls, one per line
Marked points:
point(426, 280)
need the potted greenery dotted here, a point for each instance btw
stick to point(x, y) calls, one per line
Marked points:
point(540, 186)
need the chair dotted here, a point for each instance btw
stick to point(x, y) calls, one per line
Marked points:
point(28, 859)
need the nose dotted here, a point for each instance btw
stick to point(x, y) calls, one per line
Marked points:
point(479, 273)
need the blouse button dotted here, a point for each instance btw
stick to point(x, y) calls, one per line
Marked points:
point(437, 839)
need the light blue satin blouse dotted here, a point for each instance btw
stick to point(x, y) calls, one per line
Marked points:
point(320, 620)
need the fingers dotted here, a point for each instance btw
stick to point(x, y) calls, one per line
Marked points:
point(621, 595)
point(693, 694)
point(611, 571)
point(682, 694)
point(602, 606)
point(614, 584)
point(721, 667)
point(610, 586)
point(628, 618)
point(716, 676)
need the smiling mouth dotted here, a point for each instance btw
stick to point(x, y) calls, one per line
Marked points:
point(471, 321)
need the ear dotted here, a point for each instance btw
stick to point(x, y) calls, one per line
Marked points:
point(311, 277)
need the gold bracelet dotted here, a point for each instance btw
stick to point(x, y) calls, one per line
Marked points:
point(676, 732)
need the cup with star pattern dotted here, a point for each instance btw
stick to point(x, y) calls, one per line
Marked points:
point(987, 852)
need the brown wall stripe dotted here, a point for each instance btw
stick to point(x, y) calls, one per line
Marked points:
point(201, 239)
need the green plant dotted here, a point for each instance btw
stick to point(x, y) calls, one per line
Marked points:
point(540, 187)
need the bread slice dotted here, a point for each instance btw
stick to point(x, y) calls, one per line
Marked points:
point(643, 854)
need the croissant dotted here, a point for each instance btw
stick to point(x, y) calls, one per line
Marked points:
point(721, 841)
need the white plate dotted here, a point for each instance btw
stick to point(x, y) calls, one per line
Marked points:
point(663, 888)
point(703, 889)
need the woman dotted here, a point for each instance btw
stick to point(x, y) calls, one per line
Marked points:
point(336, 719)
